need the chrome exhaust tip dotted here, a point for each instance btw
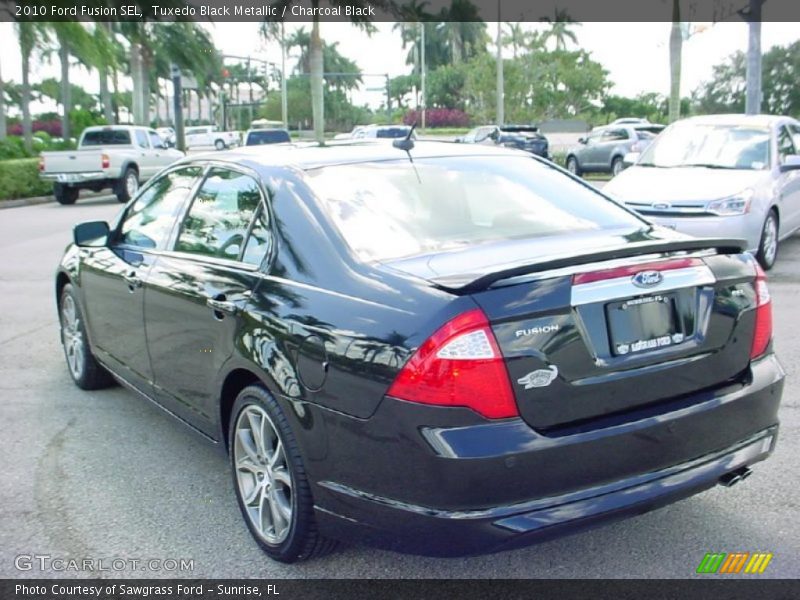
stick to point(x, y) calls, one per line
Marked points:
point(734, 477)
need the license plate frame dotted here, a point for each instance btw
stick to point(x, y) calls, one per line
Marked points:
point(643, 324)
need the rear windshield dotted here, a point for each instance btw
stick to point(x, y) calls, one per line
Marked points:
point(106, 137)
point(389, 210)
point(256, 138)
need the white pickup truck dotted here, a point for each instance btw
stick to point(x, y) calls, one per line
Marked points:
point(119, 157)
point(207, 135)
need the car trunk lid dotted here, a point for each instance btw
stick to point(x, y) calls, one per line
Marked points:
point(610, 331)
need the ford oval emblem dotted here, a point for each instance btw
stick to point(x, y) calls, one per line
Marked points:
point(647, 279)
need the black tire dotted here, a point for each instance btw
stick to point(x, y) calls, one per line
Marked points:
point(303, 540)
point(220, 145)
point(573, 166)
point(121, 187)
point(89, 374)
point(617, 166)
point(65, 194)
point(768, 244)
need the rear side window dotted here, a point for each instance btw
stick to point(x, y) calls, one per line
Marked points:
point(106, 137)
point(277, 136)
point(395, 209)
point(218, 222)
point(151, 217)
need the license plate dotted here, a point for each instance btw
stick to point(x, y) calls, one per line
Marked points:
point(66, 178)
point(643, 324)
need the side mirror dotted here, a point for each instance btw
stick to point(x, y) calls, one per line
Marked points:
point(581, 140)
point(630, 158)
point(91, 233)
point(791, 163)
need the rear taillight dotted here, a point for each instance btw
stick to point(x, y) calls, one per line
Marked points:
point(763, 329)
point(459, 365)
point(106, 161)
point(41, 163)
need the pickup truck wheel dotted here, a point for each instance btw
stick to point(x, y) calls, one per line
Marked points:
point(65, 194)
point(128, 185)
point(220, 145)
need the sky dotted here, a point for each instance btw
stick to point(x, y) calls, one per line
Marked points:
point(635, 54)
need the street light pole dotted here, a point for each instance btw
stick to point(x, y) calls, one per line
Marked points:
point(500, 91)
point(422, 70)
point(753, 98)
point(284, 102)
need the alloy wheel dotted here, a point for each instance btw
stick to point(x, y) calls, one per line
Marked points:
point(72, 337)
point(770, 243)
point(262, 474)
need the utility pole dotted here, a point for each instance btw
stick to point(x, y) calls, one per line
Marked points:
point(284, 103)
point(422, 70)
point(500, 86)
point(177, 104)
point(753, 18)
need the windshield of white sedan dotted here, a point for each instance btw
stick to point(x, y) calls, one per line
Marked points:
point(395, 209)
point(711, 146)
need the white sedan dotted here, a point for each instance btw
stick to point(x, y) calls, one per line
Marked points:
point(732, 176)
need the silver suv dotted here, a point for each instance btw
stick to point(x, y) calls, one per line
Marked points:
point(605, 147)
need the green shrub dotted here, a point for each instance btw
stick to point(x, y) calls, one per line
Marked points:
point(20, 179)
point(13, 147)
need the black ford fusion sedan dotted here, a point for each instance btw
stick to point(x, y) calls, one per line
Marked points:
point(441, 349)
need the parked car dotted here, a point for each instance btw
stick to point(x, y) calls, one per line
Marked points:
point(207, 135)
point(604, 149)
point(259, 137)
point(383, 131)
point(353, 133)
point(522, 137)
point(117, 157)
point(433, 348)
point(730, 175)
point(168, 135)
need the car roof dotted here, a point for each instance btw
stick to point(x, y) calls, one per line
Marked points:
point(738, 119)
point(312, 155)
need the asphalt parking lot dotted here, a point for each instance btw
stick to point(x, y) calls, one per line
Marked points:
point(106, 475)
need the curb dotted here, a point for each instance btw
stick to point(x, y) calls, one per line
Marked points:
point(48, 199)
point(26, 201)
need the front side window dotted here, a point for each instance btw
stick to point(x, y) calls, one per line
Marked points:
point(141, 139)
point(155, 140)
point(394, 209)
point(219, 219)
point(151, 217)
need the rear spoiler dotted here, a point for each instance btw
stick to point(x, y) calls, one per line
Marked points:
point(468, 283)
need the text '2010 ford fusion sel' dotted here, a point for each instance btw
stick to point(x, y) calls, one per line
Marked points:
point(443, 349)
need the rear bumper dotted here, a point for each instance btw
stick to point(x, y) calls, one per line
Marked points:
point(74, 178)
point(491, 487)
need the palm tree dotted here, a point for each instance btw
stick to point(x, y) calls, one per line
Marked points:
point(315, 50)
point(31, 37)
point(105, 61)
point(516, 37)
point(72, 39)
point(560, 29)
